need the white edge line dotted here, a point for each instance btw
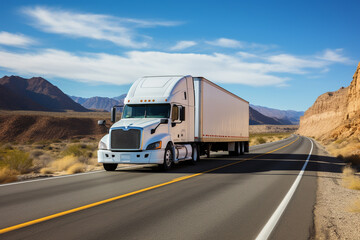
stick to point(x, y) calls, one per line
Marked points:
point(57, 177)
point(270, 225)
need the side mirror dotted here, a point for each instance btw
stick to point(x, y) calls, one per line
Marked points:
point(164, 120)
point(175, 113)
point(113, 114)
point(101, 122)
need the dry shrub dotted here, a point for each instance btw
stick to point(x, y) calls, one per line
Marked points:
point(76, 168)
point(36, 153)
point(349, 152)
point(260, 140)
point(7, 146)
point(350, 180)
point(46, 171)
point(17, 160)
point(42, 161)
point(78, 150)
point(8, 175)
point(64, 163)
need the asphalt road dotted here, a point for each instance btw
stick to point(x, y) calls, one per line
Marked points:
point(234, 201)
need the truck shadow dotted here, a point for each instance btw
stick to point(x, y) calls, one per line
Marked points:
point(255, 163)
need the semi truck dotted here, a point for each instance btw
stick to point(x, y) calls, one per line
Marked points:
point(168, 119)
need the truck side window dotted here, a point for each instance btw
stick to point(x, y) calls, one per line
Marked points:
point(182, 113)
point(175, 113)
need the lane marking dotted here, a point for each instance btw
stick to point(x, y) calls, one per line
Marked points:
point(270, 225)
point(175, 180)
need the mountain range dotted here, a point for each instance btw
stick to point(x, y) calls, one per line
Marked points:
point(99, 103)
point(38, 94)
point(284, 116)
point(17, 93)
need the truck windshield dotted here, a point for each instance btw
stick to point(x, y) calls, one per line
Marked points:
point(147, 111)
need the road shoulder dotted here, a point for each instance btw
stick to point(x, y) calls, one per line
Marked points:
point(332, 217)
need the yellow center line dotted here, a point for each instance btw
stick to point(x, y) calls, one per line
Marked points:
point(175, 180)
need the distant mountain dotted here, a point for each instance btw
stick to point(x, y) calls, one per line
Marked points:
point(256, 118)
point(36, 93)
point(282, 115)
point(79, 100)
point(120, 98)
point(100, 103)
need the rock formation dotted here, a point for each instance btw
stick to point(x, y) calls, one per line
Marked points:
point(334, 115)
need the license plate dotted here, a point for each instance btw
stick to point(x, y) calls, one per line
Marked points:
point(125, 157)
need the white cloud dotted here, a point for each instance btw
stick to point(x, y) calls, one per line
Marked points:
point(334, 55)
point(232, 43)
point(119, 31)
point(227, 43)
point(247, 55)
point(116, 69)
point(182, 45)
point(16, 40)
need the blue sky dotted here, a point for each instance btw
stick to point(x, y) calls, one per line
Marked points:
point(279, 54)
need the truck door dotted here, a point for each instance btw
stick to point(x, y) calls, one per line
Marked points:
point(178, 125)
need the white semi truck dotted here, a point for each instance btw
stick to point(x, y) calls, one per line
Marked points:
point(167, 119)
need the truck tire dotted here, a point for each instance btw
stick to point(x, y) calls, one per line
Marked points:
point(110, 166)
point(195, 154)
point(168, 158)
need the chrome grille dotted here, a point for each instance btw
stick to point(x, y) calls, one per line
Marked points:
point(125, 139)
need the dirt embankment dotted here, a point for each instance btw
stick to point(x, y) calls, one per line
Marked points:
point(334, 115)
point(25, 127)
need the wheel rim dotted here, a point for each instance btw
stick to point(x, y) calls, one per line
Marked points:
point(168, 158)
point(195, 154)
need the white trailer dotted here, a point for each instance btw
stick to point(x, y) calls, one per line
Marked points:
point(220, 117)
point(167, 119)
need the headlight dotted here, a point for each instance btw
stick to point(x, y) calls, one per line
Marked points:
point(153, 146)
point(102, 146)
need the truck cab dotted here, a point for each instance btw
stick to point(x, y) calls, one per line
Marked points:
point(156, 127)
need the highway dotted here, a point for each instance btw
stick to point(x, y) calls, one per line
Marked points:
point(221, 197)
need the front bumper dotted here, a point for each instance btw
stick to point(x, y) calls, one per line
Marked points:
point(147, 156)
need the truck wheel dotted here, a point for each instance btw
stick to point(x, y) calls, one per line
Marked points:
point(110, 166)
point(238, 148)
point(195, 154)
point(168, 158)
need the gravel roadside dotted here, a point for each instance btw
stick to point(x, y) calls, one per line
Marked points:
point(332, 217)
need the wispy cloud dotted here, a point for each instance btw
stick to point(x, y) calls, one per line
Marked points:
point(334, 55)
point(227, 43)
point(16, 40)
point(232, 43)
point(183, 45)
point(116, 69)
point(120, 31)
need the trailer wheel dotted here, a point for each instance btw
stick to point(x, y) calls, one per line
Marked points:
point(110, 166)
point(168, 158)
point(195, 154)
